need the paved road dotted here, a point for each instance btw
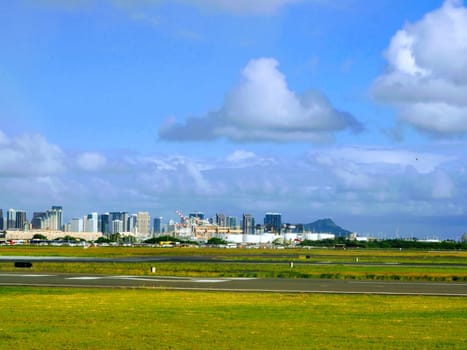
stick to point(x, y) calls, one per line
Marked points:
point(235, 284)
point(202, 259)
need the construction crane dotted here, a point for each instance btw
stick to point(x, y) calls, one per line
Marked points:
point(183, 217)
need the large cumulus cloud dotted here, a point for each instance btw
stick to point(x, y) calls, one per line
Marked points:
point(426, 78)
point(262, 107)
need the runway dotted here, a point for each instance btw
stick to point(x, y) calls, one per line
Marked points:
point(234, 284)
point(199, 259)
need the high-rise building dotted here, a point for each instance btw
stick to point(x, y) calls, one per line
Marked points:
point(1, 220)
point(21, 220)
point(273, 222)
point(53, 219)
point(248, 224)
point(56, 218)
point(132, 227)
point(259, 229)
point(171, 225)
point(157, 225)
point(143, 223)
point(104, 223)
point(197, 214)
point(231, 221)
point(117, 226)
point(125, 221)
point(85, 222)
point(221, 220)
point(11, 219)
point(92, 222)
point(117, 215)
point(76, 225)
point(38, 220)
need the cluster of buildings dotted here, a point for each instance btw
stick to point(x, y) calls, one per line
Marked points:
point(50, 224)
point(16, 220)
point(194, 226)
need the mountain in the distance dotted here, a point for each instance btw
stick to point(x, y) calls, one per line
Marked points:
point(326, 226)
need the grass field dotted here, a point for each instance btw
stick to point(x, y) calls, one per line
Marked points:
point(312, 255)
point(241, 269)
point(437, 265)
point(60, 318)
point(45, 318)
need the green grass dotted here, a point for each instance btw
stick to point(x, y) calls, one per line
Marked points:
point(58, 318)
point(437, 266)
point(314, 255)
point(242, 269)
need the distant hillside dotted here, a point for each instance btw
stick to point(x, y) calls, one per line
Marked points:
point(326, 226)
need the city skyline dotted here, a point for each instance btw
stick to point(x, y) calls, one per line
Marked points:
point(355, 110)
point(143, 223)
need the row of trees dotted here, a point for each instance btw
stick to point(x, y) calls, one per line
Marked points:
point(158, 240)
point(339, 241)
point(387, 243)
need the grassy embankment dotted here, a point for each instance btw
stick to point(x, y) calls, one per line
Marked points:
point(56, 318)
point(437, 265)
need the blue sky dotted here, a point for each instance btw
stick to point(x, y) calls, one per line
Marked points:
point(352, 109)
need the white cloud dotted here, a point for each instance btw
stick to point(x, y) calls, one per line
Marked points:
point(243, 159)
point(443, 186)
point(390, 182)
point(29, 155)
point(3, 138)
point(440, 117)
point(91, 161)
point(358, 182)
point(262, 108)
point(422, 162)
point(240, 155)
point(427, 72)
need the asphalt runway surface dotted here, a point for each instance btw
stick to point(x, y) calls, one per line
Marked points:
point(234, 284)
point(199, 259)
point(217, 284)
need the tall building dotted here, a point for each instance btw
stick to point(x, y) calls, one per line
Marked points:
point(104, 223)
point(21, 220)
point(143, 223)
point(53, 219)
point(221, 220)
point(1, 219)
point(273, 222)
point(76, 225)
point(11, 219)
point(125, 221)
point(38, 220)
point(248, 224)
point(56, 214)
point(132, 227)
point(118, 215)
point(197, 214)
point(117, 226)
point(231, 221)
point(157, 225)
point(92, 222)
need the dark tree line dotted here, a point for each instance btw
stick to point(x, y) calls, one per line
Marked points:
point(387, 243)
